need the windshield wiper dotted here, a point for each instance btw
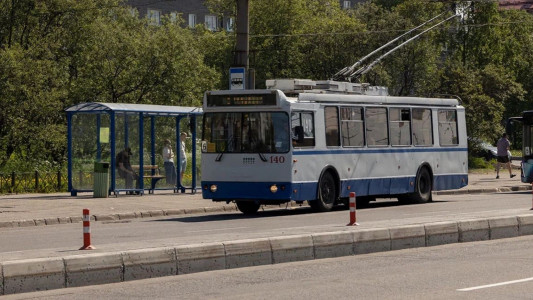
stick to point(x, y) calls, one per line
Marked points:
point(219, 156)
point(262, 156)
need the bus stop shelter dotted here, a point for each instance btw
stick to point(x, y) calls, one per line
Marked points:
point(98, 132)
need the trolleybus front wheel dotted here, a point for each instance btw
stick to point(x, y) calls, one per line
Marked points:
point(248, 207)
point(327, 193)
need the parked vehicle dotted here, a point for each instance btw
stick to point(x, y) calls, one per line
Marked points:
point(484, 149)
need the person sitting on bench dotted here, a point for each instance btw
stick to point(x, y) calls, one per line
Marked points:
point(124, 167)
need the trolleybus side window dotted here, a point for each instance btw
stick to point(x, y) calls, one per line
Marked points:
point(400, 126)
point(422, 127)
point(331, 117)
point(305, 121)
point(376, 126)
point(448, 127)
point(352, 127)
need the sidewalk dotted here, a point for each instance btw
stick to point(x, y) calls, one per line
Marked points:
point(49, 209)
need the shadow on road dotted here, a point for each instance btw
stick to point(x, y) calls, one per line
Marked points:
point(273, 211)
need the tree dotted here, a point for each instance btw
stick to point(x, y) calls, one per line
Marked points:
point(57, 53)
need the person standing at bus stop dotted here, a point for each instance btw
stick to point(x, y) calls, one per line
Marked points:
point(168, 160)
point(183, 156)
point(502, 155)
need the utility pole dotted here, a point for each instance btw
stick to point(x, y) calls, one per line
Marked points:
point(242, 47)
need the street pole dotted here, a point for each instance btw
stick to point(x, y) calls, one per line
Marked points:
point(242, 46)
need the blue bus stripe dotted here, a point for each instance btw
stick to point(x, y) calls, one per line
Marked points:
point(299, 191)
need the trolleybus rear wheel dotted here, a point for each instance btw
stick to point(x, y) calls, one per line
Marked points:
point(248, 207)
point(423, 188)
point(327, 193)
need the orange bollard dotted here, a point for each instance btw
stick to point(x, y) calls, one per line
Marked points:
point(86, 231)
point(352, 210)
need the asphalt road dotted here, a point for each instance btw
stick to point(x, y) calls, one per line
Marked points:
point(60, 240)
point(498, 269)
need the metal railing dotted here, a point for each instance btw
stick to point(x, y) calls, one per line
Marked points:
point(32, 182)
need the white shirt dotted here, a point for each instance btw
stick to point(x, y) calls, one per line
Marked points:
point(168, 155)
point(183, 156)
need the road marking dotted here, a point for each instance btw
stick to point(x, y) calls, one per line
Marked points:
point(494, 284)
point(219, 229)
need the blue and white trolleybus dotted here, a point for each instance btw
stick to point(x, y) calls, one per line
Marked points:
point(317, 141)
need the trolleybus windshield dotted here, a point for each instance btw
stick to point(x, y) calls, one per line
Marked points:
point(246, 132)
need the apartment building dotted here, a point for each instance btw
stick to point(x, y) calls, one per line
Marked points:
point(526, 5)
point(194, 12)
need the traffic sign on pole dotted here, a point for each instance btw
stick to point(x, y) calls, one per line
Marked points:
point(237, 79)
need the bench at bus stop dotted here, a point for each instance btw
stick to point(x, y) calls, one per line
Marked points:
point(150, 172)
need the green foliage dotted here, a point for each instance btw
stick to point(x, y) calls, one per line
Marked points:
point(302, 38)
point(480, 163)
point(57, 53)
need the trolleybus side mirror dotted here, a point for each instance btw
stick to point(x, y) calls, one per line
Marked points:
point(298, 134)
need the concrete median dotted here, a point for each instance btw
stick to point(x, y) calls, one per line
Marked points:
point(33, 275)
point(200, 257)
point(246, 253)
point(441, 233)
point(503, 227)
point(149, 263)
point(332, 244)
point(98, 268)
point(473, 230)
point(92, 269)
point(410, 236)
point(525, 224)
point(371, 240)
point(292, 248)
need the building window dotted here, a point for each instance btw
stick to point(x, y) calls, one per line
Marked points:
point(211, 22)
point(229, 24)
point(173, 17)
point(192, 20)
point(154, 16)
point(347, 4)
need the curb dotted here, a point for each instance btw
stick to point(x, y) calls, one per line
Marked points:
point(485, 190)
point(213, 209)
point(123, 216)
point(115, 217)
point(29, 275)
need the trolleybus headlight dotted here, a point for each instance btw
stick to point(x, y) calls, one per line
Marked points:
point(213, 188)
point(273, 188)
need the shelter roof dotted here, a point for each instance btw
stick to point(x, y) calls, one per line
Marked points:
point(148, 109)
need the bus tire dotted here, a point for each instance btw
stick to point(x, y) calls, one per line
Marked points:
point(423, 188)
point(327, 193)
point(248, 207)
